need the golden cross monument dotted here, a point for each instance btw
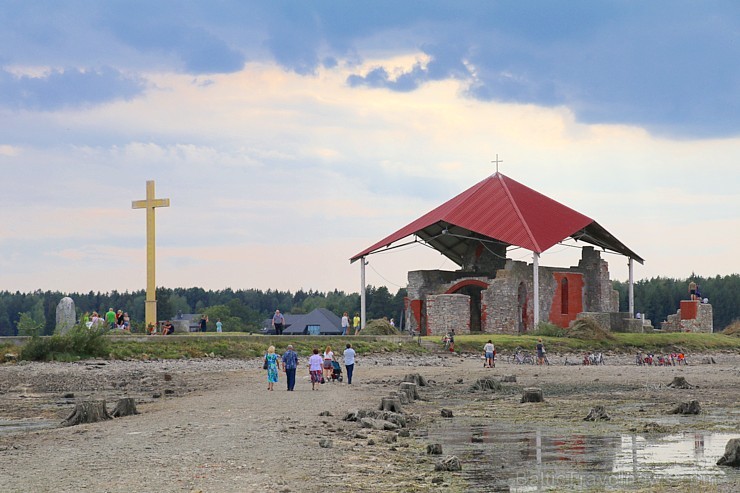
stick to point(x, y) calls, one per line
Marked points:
point(151, 287)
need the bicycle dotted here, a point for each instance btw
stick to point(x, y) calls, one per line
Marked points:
point(521, 357)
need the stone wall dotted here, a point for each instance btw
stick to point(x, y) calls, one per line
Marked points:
point(703, 322)
point(599, 295)
point(615, 321)
point(448, 311)
point(507, 305)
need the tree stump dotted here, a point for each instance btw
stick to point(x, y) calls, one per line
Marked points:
point(434, 449)
point(87, 412)
point(680, 383)
point(410, 390)
point(732, 454)
point(124, 407)
point(392, 404)
point(597, 413)
point(446, 413)
point(486, 383)
point(416, 378)
point(402, 396)
point(450, 463)
point(692, 407)
point(532, 394)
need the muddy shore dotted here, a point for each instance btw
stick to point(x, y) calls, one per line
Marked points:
point(211, 425)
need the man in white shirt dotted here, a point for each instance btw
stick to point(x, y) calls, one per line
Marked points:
point(349, 362)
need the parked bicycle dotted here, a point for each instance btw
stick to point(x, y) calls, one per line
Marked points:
point(595, 358)
point(521, 357)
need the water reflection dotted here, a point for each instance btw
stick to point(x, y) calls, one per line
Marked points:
point(497, 458)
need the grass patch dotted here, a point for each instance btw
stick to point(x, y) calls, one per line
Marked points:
point(248, 346)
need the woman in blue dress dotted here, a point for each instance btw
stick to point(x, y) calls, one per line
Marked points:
point(272, 367)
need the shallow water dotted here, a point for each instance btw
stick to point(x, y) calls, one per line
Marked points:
point(499, 458)
point(25, 425)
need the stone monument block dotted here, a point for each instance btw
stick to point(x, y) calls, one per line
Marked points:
point(66, 316)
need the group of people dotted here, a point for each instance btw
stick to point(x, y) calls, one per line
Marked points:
point(320, 366)
point(346, 323)
point(112, 320)
point(650, 359)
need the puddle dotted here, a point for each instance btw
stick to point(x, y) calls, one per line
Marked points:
point(498, 458)
point(14, 426)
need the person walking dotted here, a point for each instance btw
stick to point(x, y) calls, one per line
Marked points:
point(540, 352)
point(345, 324)
point(314, 368)
point(328, 358)
point(490, 352)
point(290, 364)
point(271, 359)
point(356, 323)
point(219, 325)
point(349, 362)
point(278, 322)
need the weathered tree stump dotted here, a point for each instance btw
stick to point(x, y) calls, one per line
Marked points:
point(597, 413)
point(508, 378)
point(402, 396)
point(450, 463)
point(87, 412)
point(708, 360)
point(416, 378)
point(392, 404)
point(692, 407)
point(486, 383)
point(434, 449)
point(532, 394)
point(410, 390)
point(680, 383)
point(732, 454)
point(124, 407)
point(446, 413)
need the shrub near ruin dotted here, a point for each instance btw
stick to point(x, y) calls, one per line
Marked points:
point(79, 343)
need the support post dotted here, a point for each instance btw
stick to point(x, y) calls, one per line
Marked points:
point(363, 301)
point(536, 281)
point(151, 286)
point(631, 287)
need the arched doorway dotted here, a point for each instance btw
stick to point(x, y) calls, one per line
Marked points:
point(522, 308)
point(473, 289)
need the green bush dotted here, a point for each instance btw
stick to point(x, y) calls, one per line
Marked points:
point(79, 343)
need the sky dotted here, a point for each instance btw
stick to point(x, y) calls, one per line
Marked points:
point(291, 135)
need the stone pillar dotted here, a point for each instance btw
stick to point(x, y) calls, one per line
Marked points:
point(66, 317)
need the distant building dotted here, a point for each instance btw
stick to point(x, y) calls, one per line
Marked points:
point(319, 322)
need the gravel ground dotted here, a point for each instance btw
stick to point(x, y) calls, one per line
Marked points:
point(210, 425)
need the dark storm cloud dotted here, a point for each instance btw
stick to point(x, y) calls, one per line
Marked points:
point(669, 66)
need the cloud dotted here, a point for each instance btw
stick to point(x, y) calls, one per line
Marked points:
point(58, 89)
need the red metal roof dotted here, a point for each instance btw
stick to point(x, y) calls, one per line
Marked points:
point(505, 210)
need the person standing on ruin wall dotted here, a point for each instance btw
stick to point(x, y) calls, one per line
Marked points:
point(692, 290)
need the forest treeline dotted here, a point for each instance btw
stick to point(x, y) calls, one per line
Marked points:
point(244, 310)
point(661, 296)
point(239, 310)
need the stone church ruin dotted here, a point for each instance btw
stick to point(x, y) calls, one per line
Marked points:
point(491, 293)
